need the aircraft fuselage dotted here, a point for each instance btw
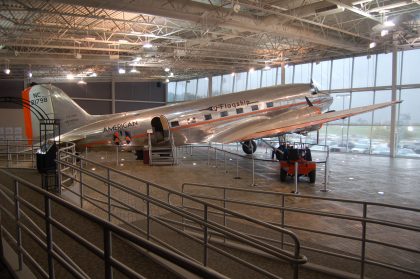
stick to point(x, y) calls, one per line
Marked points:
point(198, 121)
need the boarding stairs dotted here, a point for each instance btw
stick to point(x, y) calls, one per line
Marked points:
point(162, 155)
point(161, 148)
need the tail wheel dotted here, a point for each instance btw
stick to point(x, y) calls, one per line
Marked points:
point(246, 146)
point(283, 175)
point(312, 176)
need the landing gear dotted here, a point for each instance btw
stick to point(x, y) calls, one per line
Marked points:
point(249, 146)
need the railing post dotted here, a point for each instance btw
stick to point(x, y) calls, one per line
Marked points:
point(363, 250)
point(32, 155)
point(282, 220)
point(48, 230)
point(296, 178)
point(81, 183)
point(326, 172)
point(18, 229)
point(237, 162)
point(8, 154)
point(59, 178)
point(224, 206)
point(118, 154)
point(206, 241)
point(215, 157)
point(208, 155)
point(107, 253)
point(224, 157)
point(109, 194)
point(148, 210)
point(253, 167)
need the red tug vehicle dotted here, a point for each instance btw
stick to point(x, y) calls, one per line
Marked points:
point(288, 155)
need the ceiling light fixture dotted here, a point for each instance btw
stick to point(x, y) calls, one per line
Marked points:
point(121, 71)
point(389, 23)
point(7, 71)
point(81, 82)
point(232, 74)
point(29, 74)
point(372, 45)
point(94, 74)
point(134, 70)
point(355, 3)
point(147, 45)
point(171, 74)
point(384, 32)
point(70, 76)
point(167, 69)
point(122, 41)
point(167, 80)
point(267, 67)
point(251, 70)
point(137, 59)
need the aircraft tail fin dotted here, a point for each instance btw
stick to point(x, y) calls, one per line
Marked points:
point(53, 103)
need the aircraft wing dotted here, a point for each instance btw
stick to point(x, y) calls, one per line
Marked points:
point(288, 122)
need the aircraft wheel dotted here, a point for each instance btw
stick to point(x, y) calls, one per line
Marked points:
point(312, 176)
point(246, 146)
point(283, 175)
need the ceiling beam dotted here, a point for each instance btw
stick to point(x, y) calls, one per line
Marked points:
point(211, 17)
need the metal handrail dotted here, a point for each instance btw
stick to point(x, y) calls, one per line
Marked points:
point(108, 229)
point(294, 258)
point(364, 219)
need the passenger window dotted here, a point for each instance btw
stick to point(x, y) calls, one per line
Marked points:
point(254, 107)
point(174, 124)
point(269, 104)
point(224, 113)
point(239, 110)
point(207, 116)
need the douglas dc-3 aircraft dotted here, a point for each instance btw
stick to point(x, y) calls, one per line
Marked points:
point(238, 117)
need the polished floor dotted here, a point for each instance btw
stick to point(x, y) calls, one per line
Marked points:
point(351, 176)
point(357, 177)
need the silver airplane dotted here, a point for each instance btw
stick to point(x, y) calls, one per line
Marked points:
point(237, 117)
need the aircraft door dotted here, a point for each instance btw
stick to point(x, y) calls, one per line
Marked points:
point(160, 128)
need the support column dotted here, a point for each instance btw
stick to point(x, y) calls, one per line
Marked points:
point(113, 93)
point(283, 73)
point(210, 88)
point(393, 135)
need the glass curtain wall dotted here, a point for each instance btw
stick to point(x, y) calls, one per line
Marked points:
point(353, 82)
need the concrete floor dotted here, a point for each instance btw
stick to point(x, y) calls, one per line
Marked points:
point(359, 177)
point(351, 176)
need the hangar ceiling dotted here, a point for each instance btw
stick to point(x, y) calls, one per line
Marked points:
point(54, 38)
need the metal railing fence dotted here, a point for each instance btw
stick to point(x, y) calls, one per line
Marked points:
point(23, 208)
point(225, 155)
point(138, 204)
point(279, 204)
point(18, 153)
